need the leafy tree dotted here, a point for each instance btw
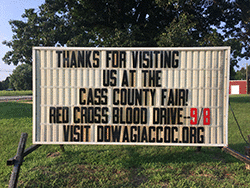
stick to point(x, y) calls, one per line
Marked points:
point(5, 84)
point(232, 73)
point(21, 77)
point(40, 29)
point(244, 34)
point(241, 74)
point(112, 23)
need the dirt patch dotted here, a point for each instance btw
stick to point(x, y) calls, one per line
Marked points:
point(27, 102)
point(137, 179)
point(56, 154)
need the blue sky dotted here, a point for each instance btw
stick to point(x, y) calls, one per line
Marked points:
point(12, 10)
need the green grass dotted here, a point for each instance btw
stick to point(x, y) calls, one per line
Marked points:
point(240, 105)
point(15, 93)
point(122, 166)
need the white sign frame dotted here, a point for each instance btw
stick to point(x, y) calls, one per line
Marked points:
point(200, 71)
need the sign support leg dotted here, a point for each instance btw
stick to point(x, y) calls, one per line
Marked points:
point(18, 161)
point(198, 148)
point(247, 152)
point(237, 155)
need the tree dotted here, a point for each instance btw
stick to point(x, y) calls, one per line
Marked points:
point(21, 78)
point(5, 84)
point(151, 23)
point(232, 73)
point(244, 34)
point(42, 28)
point(241, 74)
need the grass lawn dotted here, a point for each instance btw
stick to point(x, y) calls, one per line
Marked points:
point(15, 93)
point(122, 166)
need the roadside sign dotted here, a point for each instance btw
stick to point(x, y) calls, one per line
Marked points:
point(131, 96)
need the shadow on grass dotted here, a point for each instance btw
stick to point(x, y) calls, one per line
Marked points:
point(239, 147)
point(127, 166)
point(240, 98)
point(136, 156)
point(134, 160)
point(10, 110)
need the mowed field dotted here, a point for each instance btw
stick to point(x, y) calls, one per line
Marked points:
point(122, 166)
point(15, 93)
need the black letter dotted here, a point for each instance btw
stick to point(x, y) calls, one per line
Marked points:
point(200, 137)
point(66, 133)
point(150, 134)
point(59, 59)
point(174, 129)
point(125, 79)
point(99, 134)
point(52, 115)
point(116, 133)
point(76, 133)
point(96, 59)
point(81, 94)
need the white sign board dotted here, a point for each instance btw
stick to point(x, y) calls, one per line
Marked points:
point(133, 96)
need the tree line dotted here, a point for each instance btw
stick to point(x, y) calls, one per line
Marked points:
point(20, 79)
point(132, 23)
point(242, 73)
